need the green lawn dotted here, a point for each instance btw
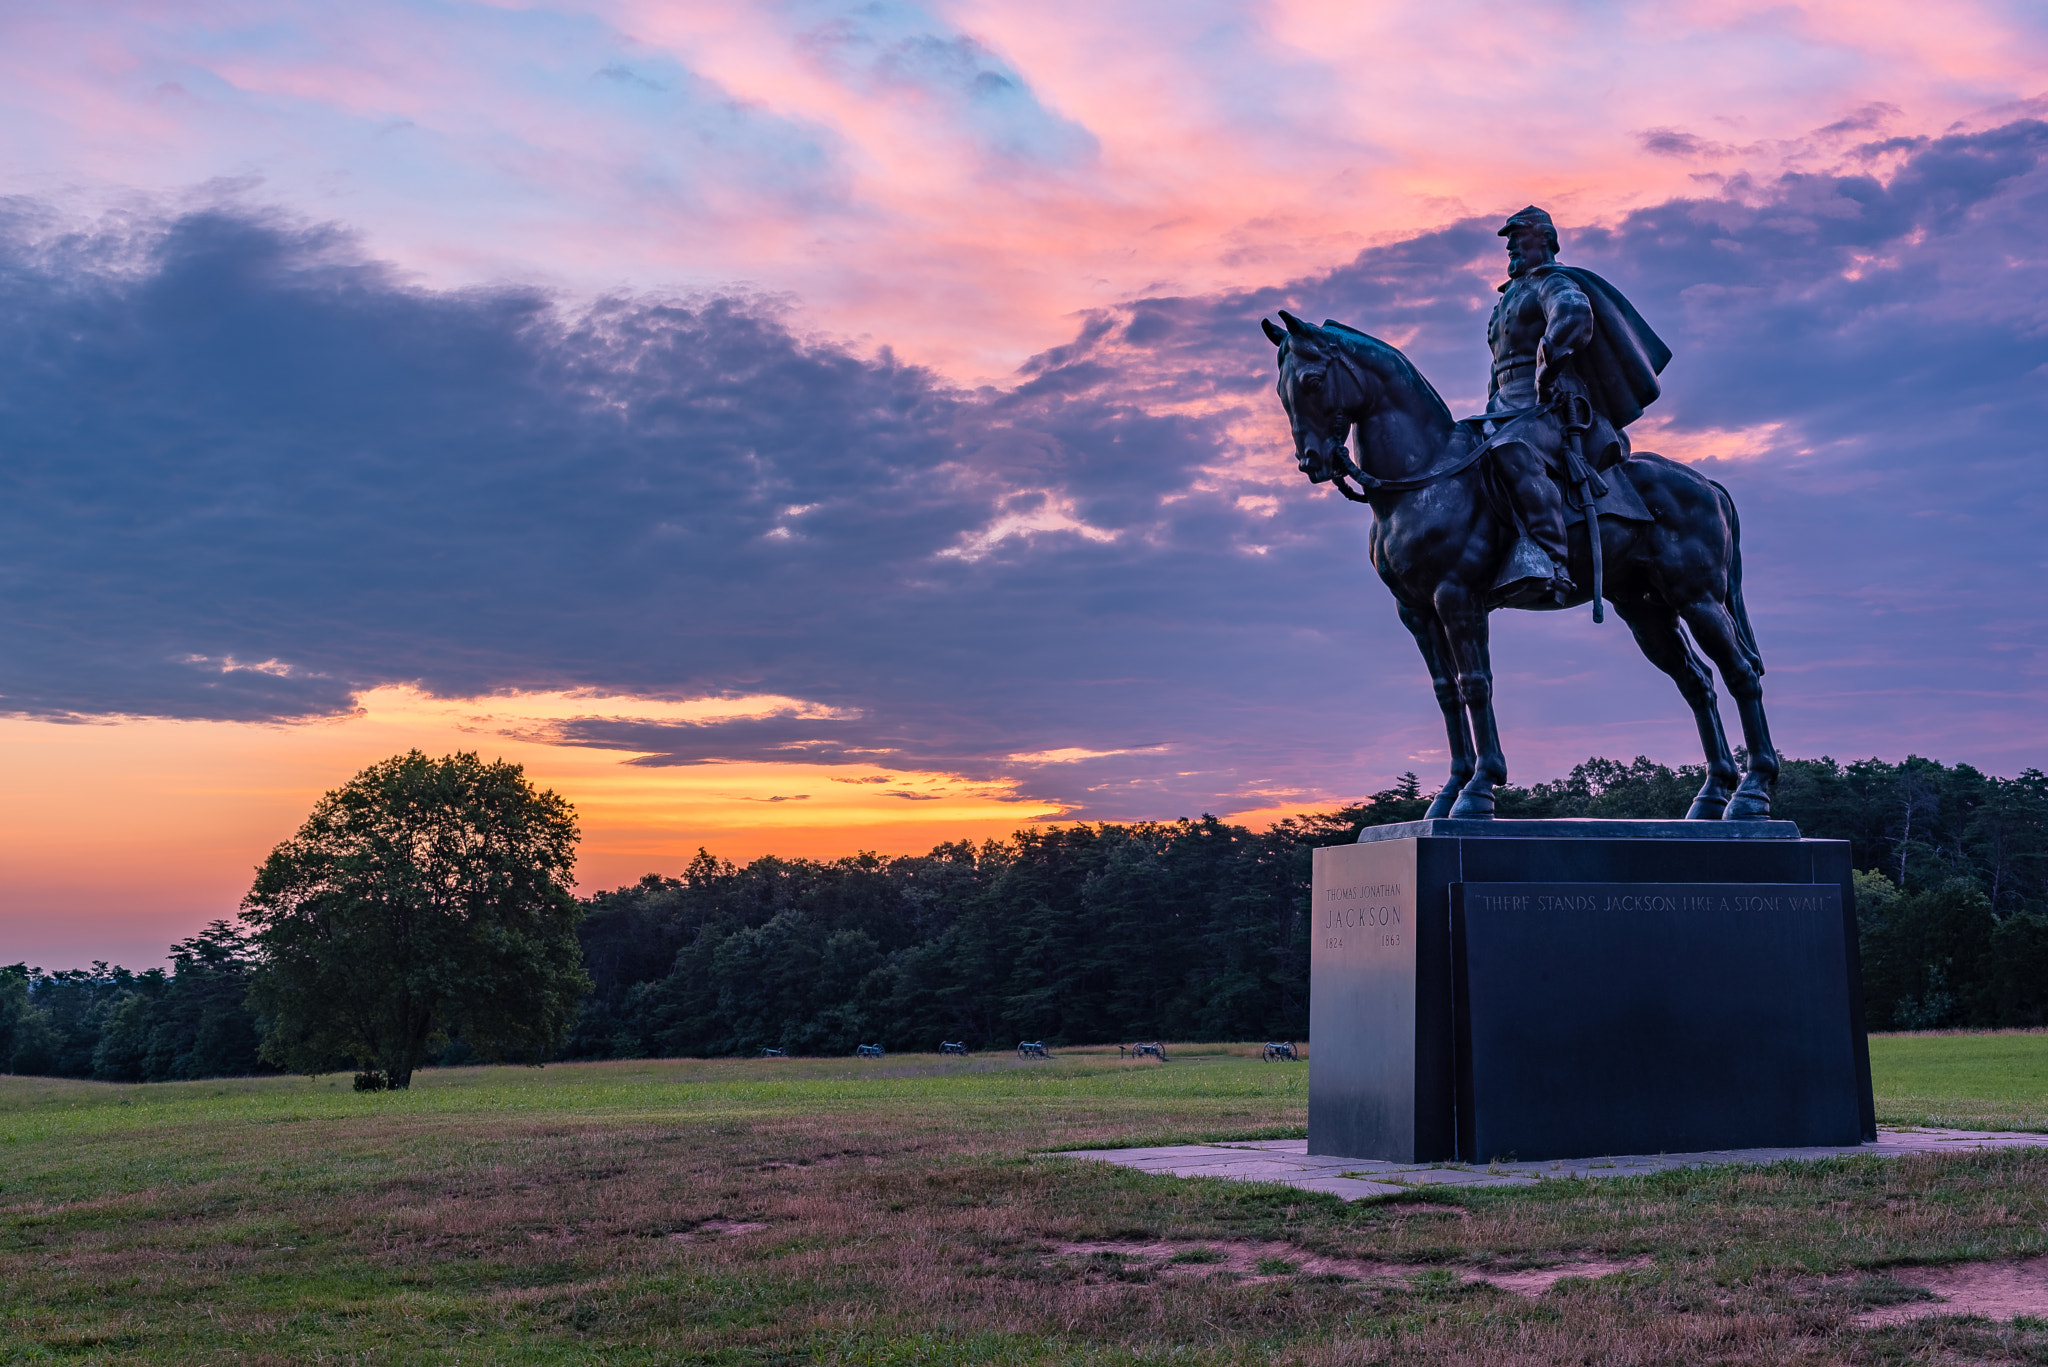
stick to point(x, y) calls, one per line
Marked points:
point(909, 1210)
point(1974, 1082)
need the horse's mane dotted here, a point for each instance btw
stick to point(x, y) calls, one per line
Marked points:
point(1370, 348)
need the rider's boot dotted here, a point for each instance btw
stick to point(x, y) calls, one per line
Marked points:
point(1531, 577)
point(1533, 574)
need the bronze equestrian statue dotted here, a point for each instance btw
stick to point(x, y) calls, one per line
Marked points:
point(1492, 511)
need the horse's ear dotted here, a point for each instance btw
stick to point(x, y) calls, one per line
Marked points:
point(1273, 334)
point(1306, 339)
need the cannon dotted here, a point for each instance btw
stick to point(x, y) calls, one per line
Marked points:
point(1155, 1050)
point(773, 1053)
point(948, 1046)
point(869, 1051)
point(1277, 1050)
point(1031, 1048)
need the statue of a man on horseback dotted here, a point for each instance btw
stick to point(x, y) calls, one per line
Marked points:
point(1574, 356)
point(1539, 502)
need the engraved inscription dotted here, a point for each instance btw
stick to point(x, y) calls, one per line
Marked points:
point(1623, 897)
point(1366, 912)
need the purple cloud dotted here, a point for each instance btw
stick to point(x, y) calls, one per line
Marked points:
point(245, 471)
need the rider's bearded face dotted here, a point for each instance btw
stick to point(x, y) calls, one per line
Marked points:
point(1528, 247)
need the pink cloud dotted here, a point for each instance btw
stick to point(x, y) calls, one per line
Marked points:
point(962, 178)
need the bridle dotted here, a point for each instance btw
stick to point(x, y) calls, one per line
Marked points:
point(1342, 468)
point(1337, 362)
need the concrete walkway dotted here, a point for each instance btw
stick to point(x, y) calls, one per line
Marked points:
point(1288, 1161)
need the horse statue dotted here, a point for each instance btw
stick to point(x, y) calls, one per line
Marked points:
point(1440, 536)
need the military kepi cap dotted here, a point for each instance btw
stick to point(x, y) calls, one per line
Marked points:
point(1532, 217)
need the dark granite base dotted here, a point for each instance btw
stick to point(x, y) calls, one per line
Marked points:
point(1650, 1018)
point(1545, 989)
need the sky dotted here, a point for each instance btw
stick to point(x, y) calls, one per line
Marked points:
point(806, 427)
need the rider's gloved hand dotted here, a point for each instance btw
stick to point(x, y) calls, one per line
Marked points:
point(1548, 369)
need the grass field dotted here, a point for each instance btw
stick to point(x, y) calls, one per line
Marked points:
point(1991, 1081)
point(908, 1210)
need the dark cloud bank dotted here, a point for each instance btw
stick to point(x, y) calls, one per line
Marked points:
point(244, 471)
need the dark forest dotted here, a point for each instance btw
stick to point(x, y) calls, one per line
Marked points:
point(1185, 930)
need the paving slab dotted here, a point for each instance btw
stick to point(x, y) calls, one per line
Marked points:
point(1288, 1161)
point(1350, 1188)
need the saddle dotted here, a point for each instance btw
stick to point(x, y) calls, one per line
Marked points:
point(1612, 497)
point(1527, 575)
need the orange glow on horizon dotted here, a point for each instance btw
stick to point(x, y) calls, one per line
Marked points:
point(137, 831)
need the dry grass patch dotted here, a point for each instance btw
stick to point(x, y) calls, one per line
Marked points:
point(1270, 1260)
point(2008, 1289)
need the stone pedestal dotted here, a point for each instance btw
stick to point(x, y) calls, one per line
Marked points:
point(1485, 990)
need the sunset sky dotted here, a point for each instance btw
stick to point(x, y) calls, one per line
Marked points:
point(806, 427)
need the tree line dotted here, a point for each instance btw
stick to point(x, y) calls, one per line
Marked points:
point(1188, 930)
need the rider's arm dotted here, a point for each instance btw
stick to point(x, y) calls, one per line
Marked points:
point(1567, 326)
point(1493, 326)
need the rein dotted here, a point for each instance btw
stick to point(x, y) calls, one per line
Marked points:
point(1509, 420)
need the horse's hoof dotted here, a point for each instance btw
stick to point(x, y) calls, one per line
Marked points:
point(1706, 808)
point(1473, 807)
point(1748, 807)
point(1440, 808)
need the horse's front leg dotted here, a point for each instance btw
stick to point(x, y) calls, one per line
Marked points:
point(1463, 617)
point(1430, 640)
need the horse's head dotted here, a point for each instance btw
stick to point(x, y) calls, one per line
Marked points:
point(1324, 392)
point(1334, 378)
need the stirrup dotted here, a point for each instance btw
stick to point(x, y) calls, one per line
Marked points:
point(1531, 578)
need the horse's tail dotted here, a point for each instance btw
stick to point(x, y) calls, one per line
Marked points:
point(1736, 607)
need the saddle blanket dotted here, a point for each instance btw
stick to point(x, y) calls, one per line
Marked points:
point(1621, 499)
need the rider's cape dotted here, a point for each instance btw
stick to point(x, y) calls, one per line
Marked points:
point(1619, 366)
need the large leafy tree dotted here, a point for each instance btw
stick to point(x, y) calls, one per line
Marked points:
point(426, 898)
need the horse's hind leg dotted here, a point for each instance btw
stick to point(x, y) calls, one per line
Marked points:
point(1715, 629)
point(1656, 631)
point(1429, 640)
